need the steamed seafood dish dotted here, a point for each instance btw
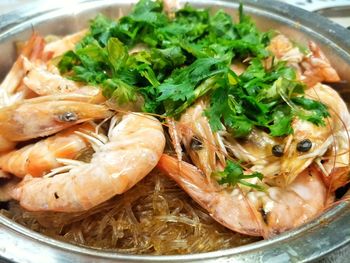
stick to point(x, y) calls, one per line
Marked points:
point(170, 130)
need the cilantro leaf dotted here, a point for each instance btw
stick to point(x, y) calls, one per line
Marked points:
point(117, 54)
point(282, 121)
point(175, 92)
point(312, 111)
point(182, 58)
point(233, 175)
point(182, 83)
point(119, 91)
point(100, 28)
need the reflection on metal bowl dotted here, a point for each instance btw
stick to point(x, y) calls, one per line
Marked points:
point(311, 241)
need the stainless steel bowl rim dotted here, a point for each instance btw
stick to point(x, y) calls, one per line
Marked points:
point(321, 236)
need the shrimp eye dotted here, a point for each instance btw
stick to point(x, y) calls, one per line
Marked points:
point(277, 150)
point(68, 116)
point(304, 145)
point(264, 215)
point(196, 144)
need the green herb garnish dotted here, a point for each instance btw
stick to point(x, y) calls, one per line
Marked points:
point(188, 57)
point(233, 175)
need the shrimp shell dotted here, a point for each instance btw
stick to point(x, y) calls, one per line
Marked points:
point(45, 80)
point(38, 158)
point(134, 148)
point(44, 116)
point(62, 45)
point(317, 67)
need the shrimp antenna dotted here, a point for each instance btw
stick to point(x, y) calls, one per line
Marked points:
point(345, 198)
point(32, 27)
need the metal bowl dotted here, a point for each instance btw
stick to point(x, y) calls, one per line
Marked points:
point(313, 240)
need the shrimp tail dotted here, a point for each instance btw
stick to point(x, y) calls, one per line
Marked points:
point(317, 67)
point(62, 45)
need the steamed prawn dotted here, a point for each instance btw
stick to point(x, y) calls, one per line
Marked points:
point(305, 193)
point(12, 88)
point(252, 212)
point(133, 149)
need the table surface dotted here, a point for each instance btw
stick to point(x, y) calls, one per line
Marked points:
point(340, 15)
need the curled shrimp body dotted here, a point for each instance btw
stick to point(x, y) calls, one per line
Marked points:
point(39, 158)
point(44, 116)
point(252, 212)
point(45, 82)
point(133, 149)
point(6, 145)
point(283, 49)
point(17, 72)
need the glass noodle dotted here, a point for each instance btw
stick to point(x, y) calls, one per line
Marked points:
point(154, 217)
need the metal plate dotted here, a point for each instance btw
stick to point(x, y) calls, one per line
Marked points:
point(313, 240)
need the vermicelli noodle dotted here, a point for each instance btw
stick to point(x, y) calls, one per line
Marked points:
point(154, 217)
